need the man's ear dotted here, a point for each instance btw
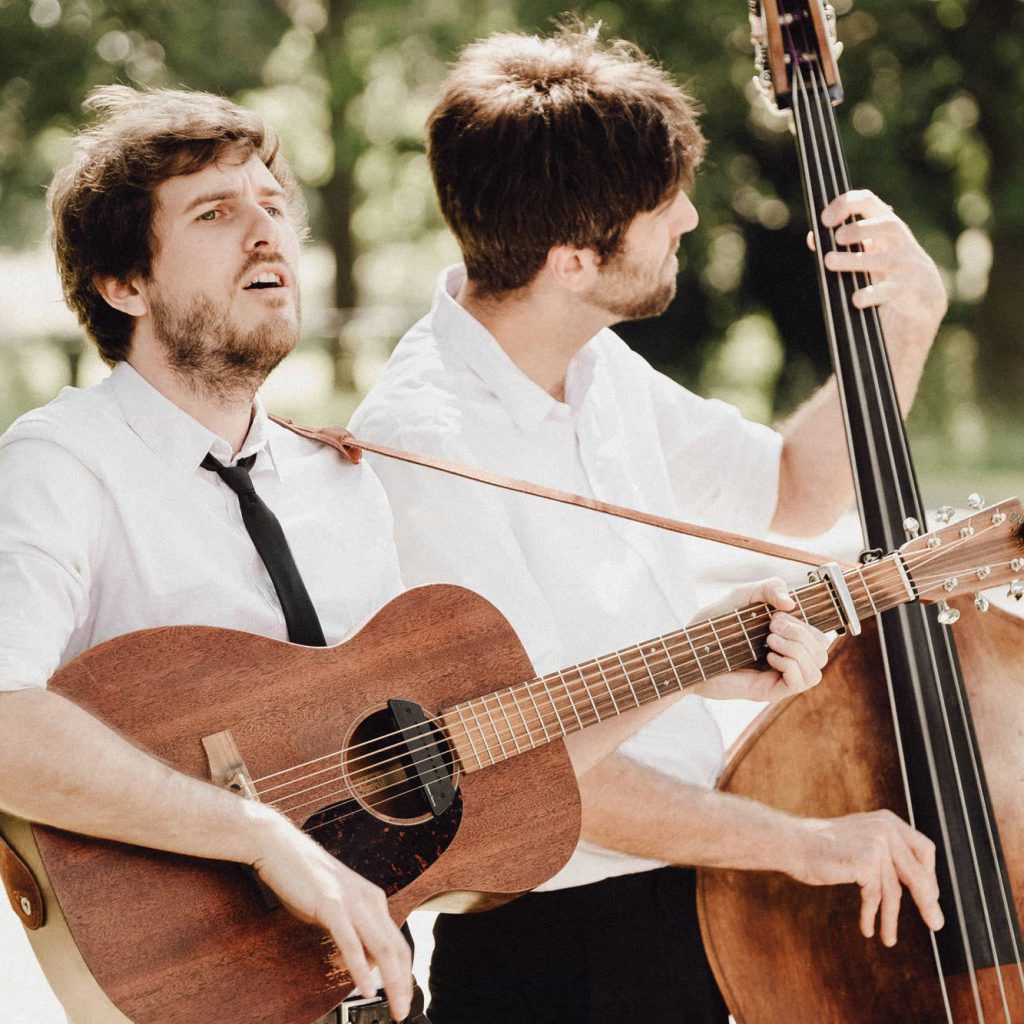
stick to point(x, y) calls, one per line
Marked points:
point(574, 269)
point(122, 294)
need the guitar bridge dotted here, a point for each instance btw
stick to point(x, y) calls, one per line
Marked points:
point(228, 769)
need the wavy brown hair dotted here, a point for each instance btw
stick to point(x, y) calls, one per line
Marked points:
point(102, 202)
point(538, 142)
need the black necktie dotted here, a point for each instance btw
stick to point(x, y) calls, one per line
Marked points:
point(272, 547)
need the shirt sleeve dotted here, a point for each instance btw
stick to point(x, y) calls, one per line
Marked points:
point(724, 469)
point(51, 515)
point(450, 530)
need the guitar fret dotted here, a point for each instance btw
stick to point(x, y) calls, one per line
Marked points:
point(629, 682)
point(554, 707)
point(494, 726)
point(746, 635)
point(469, 735)
point(800, 607)
point(586, 687)
point(839, 615)
point(504, 714)
point(696, 656)
point(672, 664)
point(483, 735)
point(654, 681)
point(526, 725)
point(607, 685)
point(714, 633)
point(568, 694)
point(867, 589)
point(540, 717)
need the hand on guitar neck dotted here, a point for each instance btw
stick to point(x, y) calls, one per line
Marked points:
point(798, 652)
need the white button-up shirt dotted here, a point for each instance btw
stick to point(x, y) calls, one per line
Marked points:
point(574, 584)
point(108, 524)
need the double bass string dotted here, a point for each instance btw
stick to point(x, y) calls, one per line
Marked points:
point(798, 97)
point(858, 281)
point(974, 768)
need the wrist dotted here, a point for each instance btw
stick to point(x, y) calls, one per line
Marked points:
point(261, 831)
point(795, 850)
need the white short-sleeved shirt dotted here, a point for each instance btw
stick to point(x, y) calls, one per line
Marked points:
point(574, 584)
point(108, 524)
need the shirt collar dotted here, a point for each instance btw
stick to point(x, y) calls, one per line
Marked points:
point(526, 401)
point(172, 434)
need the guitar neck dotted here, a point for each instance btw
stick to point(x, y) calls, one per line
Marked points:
point(487, 730)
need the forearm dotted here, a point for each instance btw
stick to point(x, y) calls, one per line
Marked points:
point(815, 482)
point(62, 767)
point(593, 745)
point(634, 809)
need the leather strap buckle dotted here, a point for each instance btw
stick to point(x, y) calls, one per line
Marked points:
point(22, 888)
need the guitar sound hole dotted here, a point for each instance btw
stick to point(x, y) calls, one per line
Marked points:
point(379, 772)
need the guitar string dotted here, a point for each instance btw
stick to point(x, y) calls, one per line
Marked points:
point(698, 633)
point(916, 685)
point(735, 638)
point(484, 741)
point(347, 795)
point(400, 761)
point(333, 767)
point(338, 775)
point(989, 841)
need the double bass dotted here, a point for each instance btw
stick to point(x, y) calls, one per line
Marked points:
point(927, 721)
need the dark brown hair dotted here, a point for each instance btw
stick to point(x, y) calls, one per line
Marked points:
point(539, 142)
point(102, 201)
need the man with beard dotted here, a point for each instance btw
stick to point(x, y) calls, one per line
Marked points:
point(562, 166)
point(177, 229)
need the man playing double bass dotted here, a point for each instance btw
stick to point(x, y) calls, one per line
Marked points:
point(562, 166)
point(177, 228)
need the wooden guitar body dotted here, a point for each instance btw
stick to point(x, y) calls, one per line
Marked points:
point(175, 940)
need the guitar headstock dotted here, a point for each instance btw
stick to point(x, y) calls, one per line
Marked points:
point(792, 35)
point(983, 550)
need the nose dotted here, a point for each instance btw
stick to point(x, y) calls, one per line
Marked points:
point(262, 229)
point(684, 214)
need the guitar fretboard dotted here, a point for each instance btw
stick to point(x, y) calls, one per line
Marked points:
point(487, 730)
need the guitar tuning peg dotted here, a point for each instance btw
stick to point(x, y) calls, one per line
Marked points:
point(944, 514)
point(981, 602)
point(947, 615)
point(975, 501)
point(1016, 590)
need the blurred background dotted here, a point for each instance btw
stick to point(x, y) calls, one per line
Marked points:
point(933, 121)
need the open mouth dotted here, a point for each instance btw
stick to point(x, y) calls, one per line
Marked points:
point(265, 279)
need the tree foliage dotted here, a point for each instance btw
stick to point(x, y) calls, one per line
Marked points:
point(932, 122)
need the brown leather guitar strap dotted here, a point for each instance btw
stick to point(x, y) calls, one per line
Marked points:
point(22, 888)
point(352, 448)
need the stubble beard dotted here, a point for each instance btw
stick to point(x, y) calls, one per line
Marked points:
point(213, 356)
point(626, 292)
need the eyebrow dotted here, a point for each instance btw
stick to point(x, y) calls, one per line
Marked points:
point(231, 193)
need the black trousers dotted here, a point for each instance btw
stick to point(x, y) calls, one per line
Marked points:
point(623, 951)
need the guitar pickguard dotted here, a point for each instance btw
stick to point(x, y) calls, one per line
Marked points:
point(388, 854)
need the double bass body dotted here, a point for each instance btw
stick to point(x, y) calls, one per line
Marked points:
point(924, 718)
point(786, 953)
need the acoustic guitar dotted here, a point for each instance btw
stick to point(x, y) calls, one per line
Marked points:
point(424, 753)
